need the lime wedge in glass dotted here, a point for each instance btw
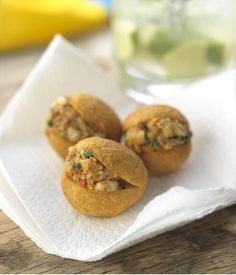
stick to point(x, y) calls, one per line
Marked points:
point(162, 41)
point(219, 53)
point(146, 34)
point(125, 35)
point(196, 58)
point(187, 60)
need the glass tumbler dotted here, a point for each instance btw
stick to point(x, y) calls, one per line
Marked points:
point(160, 46)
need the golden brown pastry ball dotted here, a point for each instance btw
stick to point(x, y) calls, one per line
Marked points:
point(102, 177)
point(73, 118)
point(160, 135)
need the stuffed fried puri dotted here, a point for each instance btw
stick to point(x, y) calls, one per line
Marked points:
point(160, 135)
point(73, 118)
point(102, 177)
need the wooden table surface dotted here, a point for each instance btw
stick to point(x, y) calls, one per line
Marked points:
point(204, 246)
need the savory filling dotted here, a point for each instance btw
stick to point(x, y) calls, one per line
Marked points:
point(164, 133)
point(67, 123)
point(82, 167)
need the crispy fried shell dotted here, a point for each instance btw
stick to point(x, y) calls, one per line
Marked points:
point(159, 158)
point(121, 161)
point(100, 119)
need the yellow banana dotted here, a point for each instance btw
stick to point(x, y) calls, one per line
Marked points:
point(27, 22)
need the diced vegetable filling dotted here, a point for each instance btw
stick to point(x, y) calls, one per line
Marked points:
point(67, 123)
point(164, 133)
point(83, 168)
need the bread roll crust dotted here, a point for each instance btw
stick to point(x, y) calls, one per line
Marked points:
point(97, 114)
point(159, 161)
point(162, 162)
point(59, 144)
point(146, 113)
point(118, 158)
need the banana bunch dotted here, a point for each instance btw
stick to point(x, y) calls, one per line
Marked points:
point(28, 22)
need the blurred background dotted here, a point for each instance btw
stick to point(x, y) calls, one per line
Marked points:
point(156, 43)
point(27, 26)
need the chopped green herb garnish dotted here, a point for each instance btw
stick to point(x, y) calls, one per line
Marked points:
point(87, 153)
point(174, 137)
point(181, 138)
point(50, 123)
point(184, 139)
point(154, 144)
point(77, 166)
point(142, 124)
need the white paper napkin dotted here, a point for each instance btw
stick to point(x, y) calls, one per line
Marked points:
point(30, 191)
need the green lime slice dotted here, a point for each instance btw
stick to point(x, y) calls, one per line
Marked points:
point(146, 34)
point(219, 53)
point(163, 41)
point(187, 61)
point(125, 36)
point(196, 58)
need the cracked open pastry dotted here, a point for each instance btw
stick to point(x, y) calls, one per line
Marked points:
point(160, 135)
point(73, 118)
point(102, 177)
